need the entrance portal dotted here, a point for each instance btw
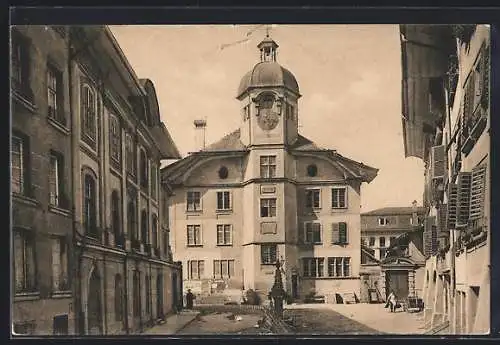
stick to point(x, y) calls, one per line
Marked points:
point(397, 281)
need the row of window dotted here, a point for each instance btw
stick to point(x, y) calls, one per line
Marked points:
point(222, 269)
point(311, 267)
point(224, 235)
point(88, 113)
point(90, 219)
point(310, 234)
point(382, 241)
point(25, 268)
point(267, 205)
point(338, 200)
point(336, 267)
point(20, 172)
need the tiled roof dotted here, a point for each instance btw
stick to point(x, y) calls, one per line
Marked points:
point(230, 142)
point(304, 144)
point(393, 211)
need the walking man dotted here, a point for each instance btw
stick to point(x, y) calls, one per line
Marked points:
point(392, 300)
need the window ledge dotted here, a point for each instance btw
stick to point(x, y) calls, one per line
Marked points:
point(224, 244)
point(60, 211)
point(24, 101)
point(25, 199)
point(62, 294)
point(194, 245)
point(194, 213)
point(228, 211)
point(340, 244)
point(58, 125)
point(338, 209)
point(312, 243)
point(26, 296)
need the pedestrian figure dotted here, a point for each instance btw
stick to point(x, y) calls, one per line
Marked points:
point(189, 299)
point(392, 301)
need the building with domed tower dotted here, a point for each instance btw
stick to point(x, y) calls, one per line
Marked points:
point(265, 192)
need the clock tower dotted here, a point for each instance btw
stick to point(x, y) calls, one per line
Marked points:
point(269, 96)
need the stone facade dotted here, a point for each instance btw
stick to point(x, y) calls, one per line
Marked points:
point(89, 124)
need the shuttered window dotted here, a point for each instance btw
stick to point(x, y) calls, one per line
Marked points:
point(463, 197)
point(430, 236)
point(339, 233)
point(312, 233)
point(485, 76)
point(438, 161)
point(477, 193)
point(451, 214)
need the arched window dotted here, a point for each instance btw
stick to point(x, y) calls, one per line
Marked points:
point(115, 218)
point(89, 206)
point(88, 112)
point(144, 169)
point(154, 231)
point(118, 298)
point(144, 226)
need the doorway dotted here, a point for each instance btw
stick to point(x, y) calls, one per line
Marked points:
point(176, 305)
point(159, 296)
point(397, 281)
point(295, 286)
point(94, 304)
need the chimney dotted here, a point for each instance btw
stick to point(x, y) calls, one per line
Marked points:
point(414, 214)
point(199, 136)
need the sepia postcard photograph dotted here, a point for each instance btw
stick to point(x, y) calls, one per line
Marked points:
point(205, 180)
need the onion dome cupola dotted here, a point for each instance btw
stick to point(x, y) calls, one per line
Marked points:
point(268, 73)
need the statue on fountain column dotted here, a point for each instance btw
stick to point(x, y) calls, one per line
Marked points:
point(277, 291)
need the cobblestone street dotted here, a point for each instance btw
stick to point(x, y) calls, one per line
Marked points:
point(321, 319)
point(359, 318)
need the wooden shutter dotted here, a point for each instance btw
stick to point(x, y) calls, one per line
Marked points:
point(469, 97)
point(485, 76)
point(430, 238)
point(442, 225)
point(463, 197)
point(451, 214)
point(316, 232)
point(335, 233)
point(343, 233)
point(478, 180)
point(438, 161)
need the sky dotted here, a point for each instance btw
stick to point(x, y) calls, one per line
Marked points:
point(349, 77)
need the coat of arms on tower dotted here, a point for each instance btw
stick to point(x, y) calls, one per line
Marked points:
point(269, 113)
